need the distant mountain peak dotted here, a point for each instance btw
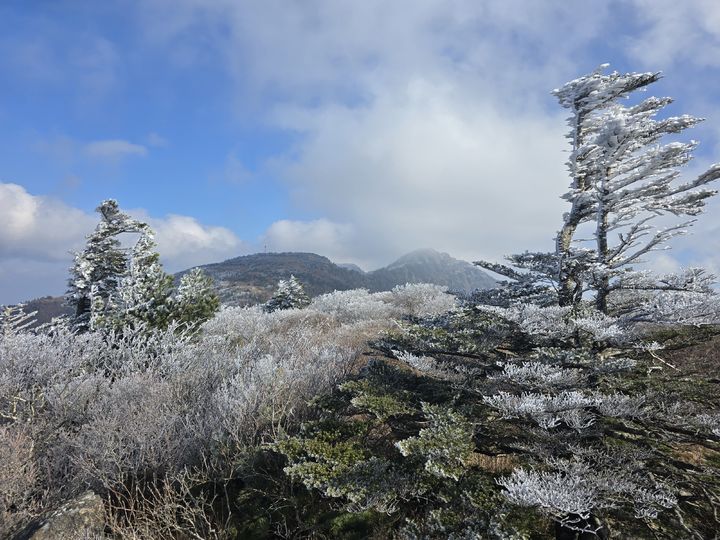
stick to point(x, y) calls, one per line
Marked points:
point(428, 265)
point(421, 256)
point(351, 266)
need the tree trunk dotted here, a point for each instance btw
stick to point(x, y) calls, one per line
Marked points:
point(602, 285)
point(568, 281)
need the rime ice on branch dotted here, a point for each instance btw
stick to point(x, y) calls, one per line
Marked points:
point(622, 178)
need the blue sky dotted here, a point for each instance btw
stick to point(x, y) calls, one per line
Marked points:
point(357, 130)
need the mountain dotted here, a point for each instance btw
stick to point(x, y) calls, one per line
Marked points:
point(430, 266)
point(351, 266)
point(252, 278)
point(46, 309)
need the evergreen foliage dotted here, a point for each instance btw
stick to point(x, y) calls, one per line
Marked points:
point(195, 301)
point(113, 287)
point(290, 294)
point(145, 290)
point(623, 178)
point(98, 270)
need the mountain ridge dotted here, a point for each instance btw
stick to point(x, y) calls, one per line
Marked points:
point(252, 279)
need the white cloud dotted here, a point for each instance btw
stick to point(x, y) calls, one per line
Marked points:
point(672, 31)
point(113, 149)
point(421, 124)
point(154, 139)
point(39, 228)
point(334, 240)
point(429, 168)
point(38, 234)
point(68, 150)
point(184, 242)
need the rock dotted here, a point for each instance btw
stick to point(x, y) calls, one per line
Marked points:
point(80, 518)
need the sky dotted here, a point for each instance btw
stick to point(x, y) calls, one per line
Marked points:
point(356, 130)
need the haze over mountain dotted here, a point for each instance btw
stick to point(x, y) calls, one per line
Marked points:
point(251, 279)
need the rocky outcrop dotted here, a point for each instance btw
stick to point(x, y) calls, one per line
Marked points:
point(80, 518)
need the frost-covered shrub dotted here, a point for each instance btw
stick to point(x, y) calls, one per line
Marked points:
point(549, 411)
point(539, 374)
point(18, 477)
point(568, 407)
point(445, 445)
point(424, 364)
point(354, 305)
point(104, 409)
point(560, 324)
point(573, 489)
point(675, 307)
point(707, 422)
point(421, 299)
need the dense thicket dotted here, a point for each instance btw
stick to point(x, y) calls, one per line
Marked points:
point(151, 416)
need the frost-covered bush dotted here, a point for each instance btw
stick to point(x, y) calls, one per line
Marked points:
point(354, 305)
point(104, 409)
point(573, 489)
point(414, 299)
point(18, 477)
point(560, 324)
point(424, 364)
point(421, 299)
point(539, 374)
point(445, 445)
point(673, 307)
point(568, 407)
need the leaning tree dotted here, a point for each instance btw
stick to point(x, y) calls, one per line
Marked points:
point(622, 179)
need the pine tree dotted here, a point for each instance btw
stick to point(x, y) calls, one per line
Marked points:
point(145, 291)
point(195, 301)
point(622, 179)
point(290, 294)
point(97, 271)
point(112, 287)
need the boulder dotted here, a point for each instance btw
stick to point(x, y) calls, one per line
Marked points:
point(80, 518)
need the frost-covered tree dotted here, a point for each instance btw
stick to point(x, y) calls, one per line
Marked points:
point(145, 291)
point(113, 286)
point(290, 294)
point(99, 268)
point(195, 301)
point(530, 277)
point(622, 178)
